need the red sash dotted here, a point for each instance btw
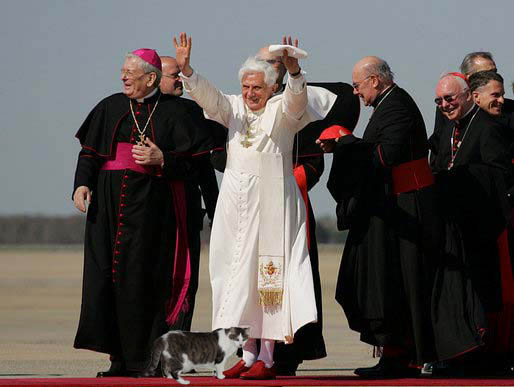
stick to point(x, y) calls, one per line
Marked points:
point(412, 176)
point(123, 160)
point(301, 180)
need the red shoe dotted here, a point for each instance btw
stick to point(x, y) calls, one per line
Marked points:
point(259, 372)
point(235, 371)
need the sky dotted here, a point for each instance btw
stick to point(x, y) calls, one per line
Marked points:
point(62, 57)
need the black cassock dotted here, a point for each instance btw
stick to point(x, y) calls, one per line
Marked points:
point(472, 198)
point(131, 225)
point(387, 266)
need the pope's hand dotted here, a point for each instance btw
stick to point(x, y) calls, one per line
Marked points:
point(148, 154)
point(183, 53)
point(290, 63)
point(80, 196)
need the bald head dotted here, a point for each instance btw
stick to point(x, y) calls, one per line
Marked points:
point(371, 76)
point(275, 61)
point(453, 97)
point(170, 81)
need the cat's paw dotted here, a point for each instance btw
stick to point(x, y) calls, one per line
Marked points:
point(183, 381)
point(220, 376)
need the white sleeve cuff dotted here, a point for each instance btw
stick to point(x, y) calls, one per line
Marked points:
point(189, 82)
point(296, 84)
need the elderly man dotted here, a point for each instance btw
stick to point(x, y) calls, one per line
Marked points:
point(385, 188)
point(308, 164)
point(260, 270)
point(131, 170)
point(471, 164)
point(202, 184)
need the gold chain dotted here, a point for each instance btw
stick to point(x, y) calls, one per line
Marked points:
point(141, 141)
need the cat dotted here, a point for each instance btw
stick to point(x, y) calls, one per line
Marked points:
point(181, 351)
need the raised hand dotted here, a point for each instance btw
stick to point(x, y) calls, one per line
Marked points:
point(291, 64)
point(183, 53)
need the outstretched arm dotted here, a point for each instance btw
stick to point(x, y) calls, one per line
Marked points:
point(216, 105)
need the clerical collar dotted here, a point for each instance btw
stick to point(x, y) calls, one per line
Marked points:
point(467, 117)
point(382, 95)
point(148, 96)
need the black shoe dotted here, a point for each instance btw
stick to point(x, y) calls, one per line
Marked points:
point(387, 369)
point(116, 369)
point(286, 369)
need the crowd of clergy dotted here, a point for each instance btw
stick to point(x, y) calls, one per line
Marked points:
point(426, 274)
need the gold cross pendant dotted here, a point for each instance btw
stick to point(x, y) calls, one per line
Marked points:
point(246, 143)
point(141, 141)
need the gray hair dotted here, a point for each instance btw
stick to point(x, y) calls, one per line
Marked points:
point(255, 65)
point(147, 68)
point(382, 70)
point(482, 78)
point(468, 63)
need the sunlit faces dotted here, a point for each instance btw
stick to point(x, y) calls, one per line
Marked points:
point(490, 97)
point(170, 81)
point(255, 91)
point(455, 101)
point(364, 86)
point(136, 84)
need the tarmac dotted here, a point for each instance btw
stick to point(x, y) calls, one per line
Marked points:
point(40, 292)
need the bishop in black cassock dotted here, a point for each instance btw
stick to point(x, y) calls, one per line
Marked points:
point(385, 195)
point(136, 258)
point(472, 166)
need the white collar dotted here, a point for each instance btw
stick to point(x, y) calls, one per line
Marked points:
point(149, 95)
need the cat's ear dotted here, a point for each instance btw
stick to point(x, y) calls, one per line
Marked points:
point(247, 331)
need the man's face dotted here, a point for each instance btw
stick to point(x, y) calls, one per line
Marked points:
point(363, 85)
point(170, 81)
point(490, 97)
point(482, 64)
point(453, 101)
point(255, 91)
point(136, 84)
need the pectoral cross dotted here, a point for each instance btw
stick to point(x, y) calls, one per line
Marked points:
point(141, 141)
point(246, 140)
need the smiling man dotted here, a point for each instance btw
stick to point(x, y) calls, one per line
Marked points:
point(488, 92)
point(134, 160)
point(260, 270)
point(471, 164)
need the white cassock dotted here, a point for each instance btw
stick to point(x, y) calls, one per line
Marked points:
point(260, 212)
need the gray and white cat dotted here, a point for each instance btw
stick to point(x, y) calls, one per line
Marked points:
point(180, 351)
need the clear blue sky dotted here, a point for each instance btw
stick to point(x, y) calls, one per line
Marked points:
point(59, 58)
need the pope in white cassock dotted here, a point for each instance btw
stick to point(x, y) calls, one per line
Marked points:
point(259, 262)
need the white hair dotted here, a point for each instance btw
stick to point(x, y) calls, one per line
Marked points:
point(147, 68)
point(462, 83)
point(255, 65)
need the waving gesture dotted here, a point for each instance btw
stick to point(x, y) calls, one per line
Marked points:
point(291, 63)
point(183, 53)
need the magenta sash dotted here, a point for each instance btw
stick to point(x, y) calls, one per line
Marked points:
point(123, 160)
point(181, 276)
point(182, 264)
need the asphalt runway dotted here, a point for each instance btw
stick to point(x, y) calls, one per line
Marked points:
point(40, 290)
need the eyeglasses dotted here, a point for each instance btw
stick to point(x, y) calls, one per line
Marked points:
point(448, 98)
point(129, 74)
point(356, 85)
point(172, 76)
